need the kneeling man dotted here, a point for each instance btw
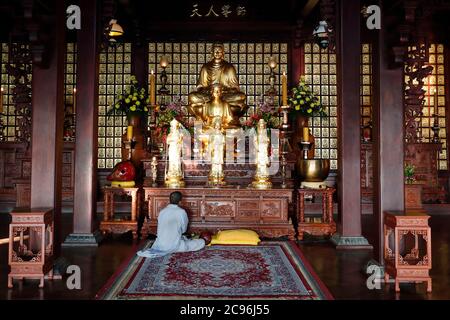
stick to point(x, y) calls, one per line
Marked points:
point(172, 223)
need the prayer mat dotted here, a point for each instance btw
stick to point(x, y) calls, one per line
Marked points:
point(270, 270)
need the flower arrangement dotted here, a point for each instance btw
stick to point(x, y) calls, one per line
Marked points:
point(133, 100)
point(174, 110)
point(303, 101)
point(266, 112)
point(410, 171)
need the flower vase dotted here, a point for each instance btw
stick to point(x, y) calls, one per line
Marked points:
point(413, 197)
point(139, 141)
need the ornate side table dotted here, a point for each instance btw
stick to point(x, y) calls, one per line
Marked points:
point(112, 225)
point(327, 226)
point(407, 247)
point(31, 245)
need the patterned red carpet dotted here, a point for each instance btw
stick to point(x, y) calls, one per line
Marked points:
point(271, 270)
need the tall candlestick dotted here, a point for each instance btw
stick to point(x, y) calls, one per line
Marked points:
point(130, 133)
point(74, 100)
point(152, 89)
point(1, 100)
point(284, 88)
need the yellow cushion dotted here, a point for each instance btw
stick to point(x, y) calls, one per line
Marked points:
point(123, 184)
point(242, 236)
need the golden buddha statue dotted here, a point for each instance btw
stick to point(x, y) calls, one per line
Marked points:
point(218, 72)
point(217, 108)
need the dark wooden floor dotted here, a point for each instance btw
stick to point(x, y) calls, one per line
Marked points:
point(341, 271)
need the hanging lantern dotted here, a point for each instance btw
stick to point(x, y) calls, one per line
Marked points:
point(321, 34)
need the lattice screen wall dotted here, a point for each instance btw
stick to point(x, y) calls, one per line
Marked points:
point(8, 113)
point(366, 84)
point(321, 75)
point(250, 60)
point(114, 75)
point(70, 78)
point(435, 81)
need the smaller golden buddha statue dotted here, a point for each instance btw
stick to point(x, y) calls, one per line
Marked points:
point(217, 108)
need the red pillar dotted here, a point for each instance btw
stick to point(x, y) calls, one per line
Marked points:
point(47, 122)
point(349, 54)
point(388, 139)
point(85, 194)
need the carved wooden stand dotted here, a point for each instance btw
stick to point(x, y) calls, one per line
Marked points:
point(264, 211)
point(409, 259)
point(32, 257)
point(109, 225)
point(327, 226)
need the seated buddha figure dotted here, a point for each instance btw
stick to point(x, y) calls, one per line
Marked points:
point(217, 72)
point(217, 108)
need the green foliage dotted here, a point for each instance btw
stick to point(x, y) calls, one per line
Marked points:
point(303, 101)
point(133, 100)
point(409, 173)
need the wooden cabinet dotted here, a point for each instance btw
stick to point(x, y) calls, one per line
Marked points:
point(424, 156)
point(15, 173)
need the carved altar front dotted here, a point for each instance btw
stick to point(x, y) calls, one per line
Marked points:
point(264, 211)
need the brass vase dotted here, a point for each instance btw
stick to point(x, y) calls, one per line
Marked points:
point(313, 170)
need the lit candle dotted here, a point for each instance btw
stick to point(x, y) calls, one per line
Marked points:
point(1, 100)
point(74, 100)
point(435, 101)
point(284, 88)
point(130, 133)
point(164, 62)
point(152, 89)
point(306, 134)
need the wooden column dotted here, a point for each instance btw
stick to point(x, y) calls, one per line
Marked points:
point(297, 65)
point(47, 123)
point(139, 64)
point(85, 193)
point(388, 144)
point(349, 54)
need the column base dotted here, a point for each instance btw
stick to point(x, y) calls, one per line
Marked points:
point(350, 243)
point(82, 240)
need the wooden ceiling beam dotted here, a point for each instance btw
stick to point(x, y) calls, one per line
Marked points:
point(309, 6)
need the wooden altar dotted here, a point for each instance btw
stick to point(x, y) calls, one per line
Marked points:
point(196, 172)
point(214, 209)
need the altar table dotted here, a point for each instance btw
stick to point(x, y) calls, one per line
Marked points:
point(214, 209)
point(109, 223)
point(327, 226)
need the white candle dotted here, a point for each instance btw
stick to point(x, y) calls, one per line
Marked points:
point(435, 101)
point(74, 100)
point(1, 100)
